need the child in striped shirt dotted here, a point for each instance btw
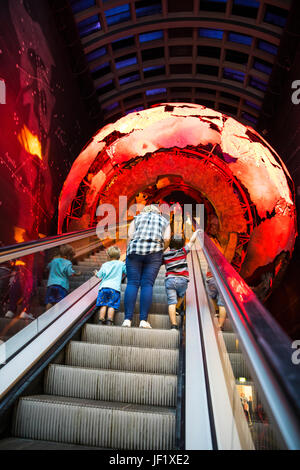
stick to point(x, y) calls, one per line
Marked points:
point(177, 274)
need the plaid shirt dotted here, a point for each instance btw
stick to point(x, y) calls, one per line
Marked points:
point(148, 235)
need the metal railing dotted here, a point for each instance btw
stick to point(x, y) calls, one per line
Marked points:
point(266, 347)
point(66, 312)
point(19, 333)
point(19, 250)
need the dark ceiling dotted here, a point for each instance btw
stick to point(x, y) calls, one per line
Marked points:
point(219, 53)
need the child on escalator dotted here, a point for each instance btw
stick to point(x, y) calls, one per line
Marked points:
point(60, 269)
point(111, 274)
point(177, 274)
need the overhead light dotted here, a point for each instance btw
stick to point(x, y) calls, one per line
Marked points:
point(242, 379)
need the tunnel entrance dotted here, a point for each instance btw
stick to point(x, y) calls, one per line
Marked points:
point(171, 190)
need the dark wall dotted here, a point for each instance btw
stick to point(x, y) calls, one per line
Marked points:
point(284, 130)
point(44, 123)
point(283, 133)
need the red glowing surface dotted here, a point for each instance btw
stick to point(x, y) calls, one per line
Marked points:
point(240, 288)
point(226, 162)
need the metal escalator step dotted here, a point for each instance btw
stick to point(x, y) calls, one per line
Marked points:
point(98, 356)
point(231, 342)
point(94, 260)
point(140, 337)
point(79, 281)
point(239, 366)
point(156, 307)
point(157, 297)
point(98, 259)
point(159, 282)
point(227, 325)
point(84, 275)
point(158, 289)
point(15, 443)
point(93, 423)
point(157, 320)
point(264, 436)
point(127, 387)
point(88, 267)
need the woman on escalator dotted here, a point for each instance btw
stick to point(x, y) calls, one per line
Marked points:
point(149, 234)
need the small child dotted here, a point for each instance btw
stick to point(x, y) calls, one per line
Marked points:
point(61, 269)
point(177, 274)
point(109, 296)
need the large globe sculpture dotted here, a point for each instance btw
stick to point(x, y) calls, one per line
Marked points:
point(204, 154)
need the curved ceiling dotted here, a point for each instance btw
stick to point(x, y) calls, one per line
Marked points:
point(219, 53)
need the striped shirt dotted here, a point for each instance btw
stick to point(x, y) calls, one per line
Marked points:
point(149, 234)
point(176, 263)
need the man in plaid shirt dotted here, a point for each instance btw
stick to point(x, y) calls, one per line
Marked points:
point(149, 232)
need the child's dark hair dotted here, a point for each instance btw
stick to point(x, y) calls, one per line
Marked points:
point(66, 251)
point(176, 243)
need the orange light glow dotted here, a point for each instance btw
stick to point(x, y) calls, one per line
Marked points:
point(162, 182)
point(19, 234)
point(20, 263)
point(30, 142)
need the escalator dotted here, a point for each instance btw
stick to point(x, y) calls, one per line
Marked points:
point(111, 380)
point(68, 383)
point(261, 429)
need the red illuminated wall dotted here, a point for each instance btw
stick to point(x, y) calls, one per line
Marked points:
point(42, 123)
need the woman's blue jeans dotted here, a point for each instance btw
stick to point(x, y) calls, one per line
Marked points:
point(141, 271)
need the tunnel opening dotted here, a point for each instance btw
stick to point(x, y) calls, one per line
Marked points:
point(172, 190)
point(188, 153)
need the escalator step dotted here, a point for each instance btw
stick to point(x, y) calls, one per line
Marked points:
point(231, 342)
point(157, 321)
point(127, 387)
point(139, 337)
point(227, 325)
point(158, 289)
point(239, 366)
point(264, 436)
point(15, 443)
point(94, 423)
point(98, 356)
point(156, 297)
point(156, 307)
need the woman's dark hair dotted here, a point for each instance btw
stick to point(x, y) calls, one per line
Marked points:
point(176, 243)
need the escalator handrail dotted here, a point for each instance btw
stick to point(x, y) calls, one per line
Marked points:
point(22, 249)
point(85, 294)
point(19, 250)
point(266, 346)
